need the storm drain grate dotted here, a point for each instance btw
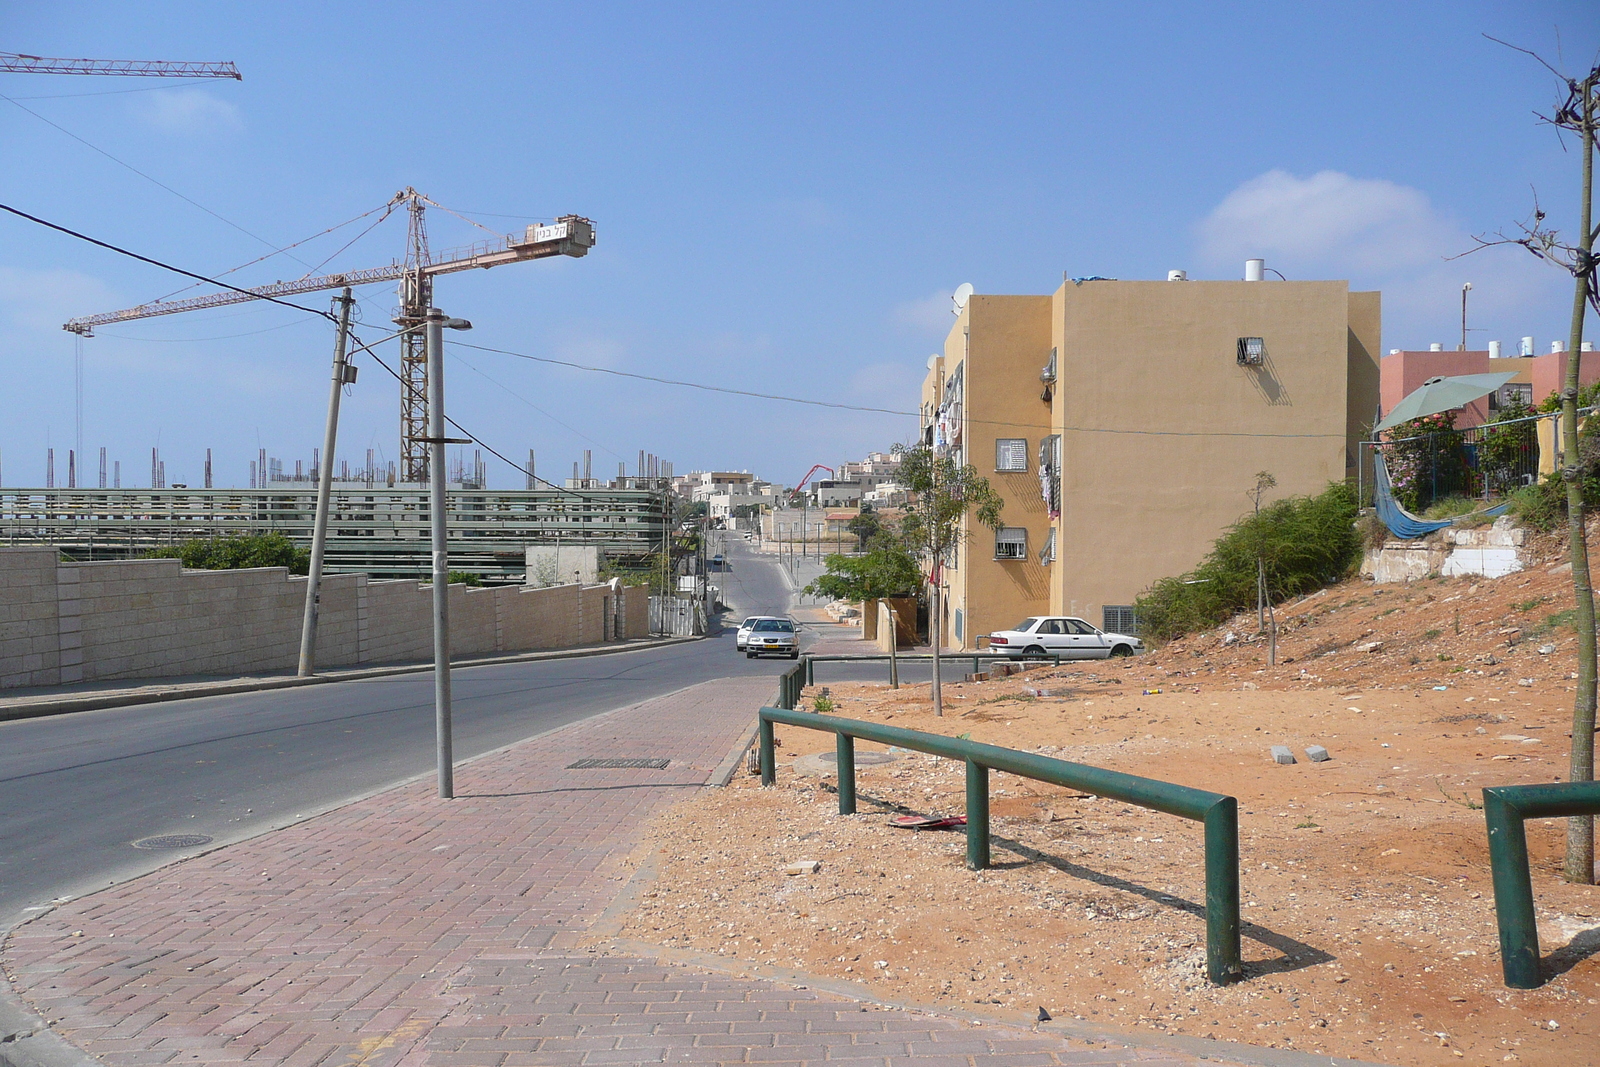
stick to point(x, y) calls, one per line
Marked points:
point(173, 841)
point(597, 764)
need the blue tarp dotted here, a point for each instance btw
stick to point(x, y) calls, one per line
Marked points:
point(1401, 522)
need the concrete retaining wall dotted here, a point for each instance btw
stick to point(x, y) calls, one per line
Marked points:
point(62, 623)
point(1490, 551)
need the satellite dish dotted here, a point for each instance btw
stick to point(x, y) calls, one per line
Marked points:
point(962, 294)
point(933, 361)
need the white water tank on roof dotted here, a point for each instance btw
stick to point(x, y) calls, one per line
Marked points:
point(1253, 269)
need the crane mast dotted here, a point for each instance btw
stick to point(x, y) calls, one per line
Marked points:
point(569, 235)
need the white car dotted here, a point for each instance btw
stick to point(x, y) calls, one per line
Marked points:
point(1063, 636)
point(742, 636)
point(772, 637)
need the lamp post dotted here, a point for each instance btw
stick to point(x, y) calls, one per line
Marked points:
point(433, 343)
point(1466, 287)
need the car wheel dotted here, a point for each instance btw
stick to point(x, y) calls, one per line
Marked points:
point(1121, 650)
point(1034, 650)
point(749, 655)
point(794, 655)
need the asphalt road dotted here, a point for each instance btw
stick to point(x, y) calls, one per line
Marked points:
point(77, 790)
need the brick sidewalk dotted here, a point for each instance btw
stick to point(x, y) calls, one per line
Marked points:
point(404, 930)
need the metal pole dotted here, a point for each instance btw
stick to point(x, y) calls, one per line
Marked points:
point(433, 343)
point(319, 532)
point(977, 816)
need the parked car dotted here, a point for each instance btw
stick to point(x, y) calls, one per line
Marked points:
point(1067, 637)
point(719, 562)
point(743, 633)
point(772, 637)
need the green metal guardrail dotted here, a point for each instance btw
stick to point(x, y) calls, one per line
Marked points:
point(1505, 808)
point(922, 657)
point(790, 684)
point(1219, 813)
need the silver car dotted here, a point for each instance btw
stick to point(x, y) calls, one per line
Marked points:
point(743, 633)
point(772, 637)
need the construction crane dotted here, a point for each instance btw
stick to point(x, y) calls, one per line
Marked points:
point(569, 235)
point(18, 63)
point(797, 493)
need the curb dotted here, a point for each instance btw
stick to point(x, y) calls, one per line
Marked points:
point(125, 698)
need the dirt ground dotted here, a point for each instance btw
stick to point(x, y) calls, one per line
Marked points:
point(1369, 922)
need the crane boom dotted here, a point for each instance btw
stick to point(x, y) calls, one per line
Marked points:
point(570, 235)
point(131, 68)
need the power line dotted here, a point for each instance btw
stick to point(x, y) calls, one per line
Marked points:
point(490, 448)
point(157, 263)
point(148, 178)
point(883, 411)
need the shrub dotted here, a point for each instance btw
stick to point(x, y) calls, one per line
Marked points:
point(236, 553)
point(1304, 542)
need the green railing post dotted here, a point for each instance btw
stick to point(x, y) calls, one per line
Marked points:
point(769, 758)
point(844, 750)
point(1513, 891)
point(977, 816)
point(1223, 958)
point(811, 672)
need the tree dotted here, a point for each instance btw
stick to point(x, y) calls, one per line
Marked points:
point(865, 526)
point(887, 569)
point(935, 524)
point(1577, 114)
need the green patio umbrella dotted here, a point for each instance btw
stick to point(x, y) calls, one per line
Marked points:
point(1442, 394)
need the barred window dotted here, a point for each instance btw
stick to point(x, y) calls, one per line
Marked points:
point(1120, 619)
point(1011, 454)
point(1011, 542)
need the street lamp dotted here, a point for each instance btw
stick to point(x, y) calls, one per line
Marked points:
point(433, 343)
point(1466, 287)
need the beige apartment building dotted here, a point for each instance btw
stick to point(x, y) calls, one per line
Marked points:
point(1123, 423)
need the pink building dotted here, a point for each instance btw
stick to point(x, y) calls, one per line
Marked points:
point(1537, 377)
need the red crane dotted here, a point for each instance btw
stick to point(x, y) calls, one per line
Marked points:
point(796, 494)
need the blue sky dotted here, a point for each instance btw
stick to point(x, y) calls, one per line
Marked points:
point(784, 195)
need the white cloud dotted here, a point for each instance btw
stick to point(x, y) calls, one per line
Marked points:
point(929, 315)
point(1381, 235)
point(41, 300)
point(187, 111)
point(1366, 222)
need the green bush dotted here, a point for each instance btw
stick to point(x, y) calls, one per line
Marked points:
point(1306, 542)
point(236, 553)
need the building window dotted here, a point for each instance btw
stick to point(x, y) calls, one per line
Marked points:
point(1252, 351)
point(1011, 454)
point(1119, 619)
point(1047, 554)
point(960, 626)
point(1011, 542)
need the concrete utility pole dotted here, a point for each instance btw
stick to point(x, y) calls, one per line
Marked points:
point(433, 344)
point(343, 374)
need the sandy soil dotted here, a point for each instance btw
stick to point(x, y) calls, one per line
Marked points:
point(1369, 916)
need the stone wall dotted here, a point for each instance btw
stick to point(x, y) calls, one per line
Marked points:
point(62, 623)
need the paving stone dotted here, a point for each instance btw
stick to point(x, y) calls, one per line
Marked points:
point(368, 946)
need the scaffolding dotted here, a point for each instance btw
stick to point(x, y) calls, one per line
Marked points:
point(378, 531)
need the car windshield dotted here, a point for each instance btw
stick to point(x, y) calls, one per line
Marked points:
point(767, 626)
point(1025, 625)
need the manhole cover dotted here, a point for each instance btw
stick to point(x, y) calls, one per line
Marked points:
point(598, 764)
point(173, 841)
point(861, 757)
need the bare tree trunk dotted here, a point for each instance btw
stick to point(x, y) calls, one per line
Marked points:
point(936, 638)
point(1579, 866)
